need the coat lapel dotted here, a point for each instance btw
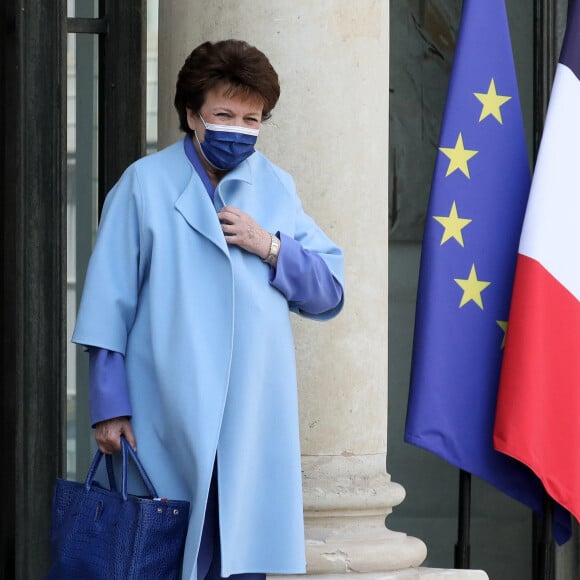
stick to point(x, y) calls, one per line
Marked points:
point(196, 208)
point(233, 184)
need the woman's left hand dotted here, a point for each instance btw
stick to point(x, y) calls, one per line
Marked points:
point(241, 230)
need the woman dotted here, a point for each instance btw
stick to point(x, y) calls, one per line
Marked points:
point(203, 250)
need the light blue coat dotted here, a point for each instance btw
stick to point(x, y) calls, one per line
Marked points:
point(208, 348)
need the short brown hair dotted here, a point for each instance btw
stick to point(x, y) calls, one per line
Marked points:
point(235, 63)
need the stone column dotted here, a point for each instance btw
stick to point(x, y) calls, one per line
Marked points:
point(330, 131)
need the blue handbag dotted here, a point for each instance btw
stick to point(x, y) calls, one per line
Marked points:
point(106, 534)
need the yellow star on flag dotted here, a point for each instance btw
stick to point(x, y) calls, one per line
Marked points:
point(452, 225)
point(503, 324)
point(472, 288)
point(458, 157)
point(491, 102)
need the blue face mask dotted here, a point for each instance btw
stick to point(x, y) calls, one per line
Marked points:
point(226, 146)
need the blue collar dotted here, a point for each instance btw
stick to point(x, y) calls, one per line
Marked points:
point(197, 165)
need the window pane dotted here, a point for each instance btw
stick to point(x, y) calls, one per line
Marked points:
point(82, 101)
point(152, 50)
point(82, 8)
point(82, 148)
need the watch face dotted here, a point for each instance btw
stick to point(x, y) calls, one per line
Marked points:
point(274, 250)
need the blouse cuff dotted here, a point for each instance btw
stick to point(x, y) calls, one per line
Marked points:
point(108, 389)
point(304, 278)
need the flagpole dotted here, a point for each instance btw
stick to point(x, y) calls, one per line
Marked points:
point(463, 547)
point(544, 549)
point(545, 61)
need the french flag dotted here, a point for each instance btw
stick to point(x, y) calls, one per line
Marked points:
point(538, 407)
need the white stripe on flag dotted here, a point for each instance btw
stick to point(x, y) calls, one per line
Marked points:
point(551, 231)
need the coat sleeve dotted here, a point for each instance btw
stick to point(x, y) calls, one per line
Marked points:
point(304, 278)
point(115, 272)
point(313, 240)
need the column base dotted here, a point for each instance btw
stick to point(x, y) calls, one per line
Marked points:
point(358, 543)
point(346, 499)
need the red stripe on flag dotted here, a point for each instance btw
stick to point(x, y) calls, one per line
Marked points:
point(538, 408)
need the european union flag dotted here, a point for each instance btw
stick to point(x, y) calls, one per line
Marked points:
point(470, 244)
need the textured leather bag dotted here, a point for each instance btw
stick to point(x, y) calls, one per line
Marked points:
point(106, 534)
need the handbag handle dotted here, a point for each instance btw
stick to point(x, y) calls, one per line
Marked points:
point(111, 473)
point(127, 451)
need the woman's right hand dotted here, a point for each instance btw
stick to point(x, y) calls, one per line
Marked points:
point(108, 434)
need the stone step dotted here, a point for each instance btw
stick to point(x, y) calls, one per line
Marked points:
point(409, 574)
